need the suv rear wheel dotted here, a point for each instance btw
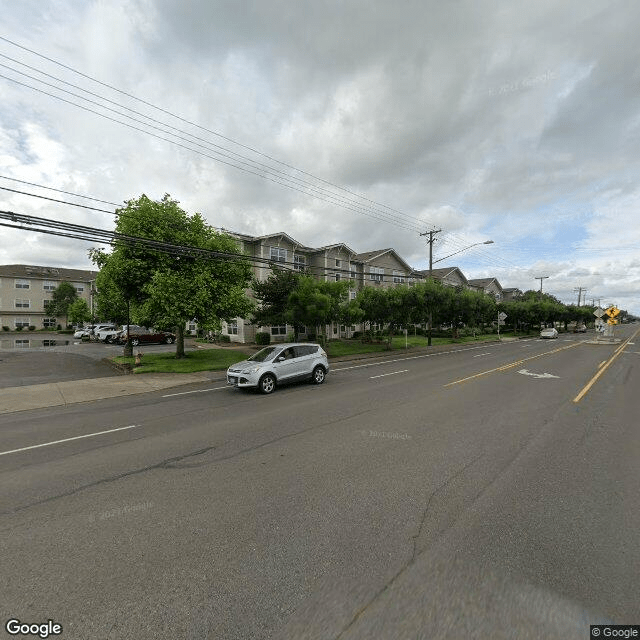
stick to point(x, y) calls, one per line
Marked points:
point(267, 383)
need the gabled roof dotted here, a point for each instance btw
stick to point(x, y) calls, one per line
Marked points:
point(368, 256)
point(441, 274)
point(483, 283)
point(339, 245)
point(280, 235)
point(27, 271)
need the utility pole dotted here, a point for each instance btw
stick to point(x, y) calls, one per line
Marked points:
point(579, 291)
point(431, 240)
point(541, 278)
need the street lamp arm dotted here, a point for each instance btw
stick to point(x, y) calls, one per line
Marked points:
point(461, 250)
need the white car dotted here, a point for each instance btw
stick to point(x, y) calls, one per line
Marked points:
point(111, 334)
point(549, 333)
point(280, 363)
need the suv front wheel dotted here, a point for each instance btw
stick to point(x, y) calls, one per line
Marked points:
point(318, 375)
point(267, 383)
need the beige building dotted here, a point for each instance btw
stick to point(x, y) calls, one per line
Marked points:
point(24, 289)
point(490, 286)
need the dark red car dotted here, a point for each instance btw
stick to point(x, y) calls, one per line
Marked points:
point(141, 335)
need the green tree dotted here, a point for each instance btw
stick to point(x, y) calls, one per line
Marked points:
point(169, 288)
point(317, 303)
point(273, 297)
point(62, 297)
point(79, 312)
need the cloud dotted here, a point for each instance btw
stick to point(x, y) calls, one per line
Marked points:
point(512, 122)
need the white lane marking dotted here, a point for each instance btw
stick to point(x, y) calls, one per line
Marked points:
point(88, 435)
point(426, 355)
point(482, 354)
point(184, 393)
point(388, 374)
point(525, 372)
point(601, 363)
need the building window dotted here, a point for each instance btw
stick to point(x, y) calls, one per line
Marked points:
point(278, 255)
point(398, 277)
point(337, 277)
point(353, 294)
point(232, 328)
point(21, 344)
point(299, 263)
point(352, 268)
point(23, 304)
point(49, 323)
point(49, 286)
point(376, 274)
point(338, 262)
point(79, 288)
point(23, 284)
point(279, 331)
point(21, 322)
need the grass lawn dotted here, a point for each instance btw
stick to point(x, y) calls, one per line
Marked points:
point(352, 347)
point(220, 359)
point(198, 360)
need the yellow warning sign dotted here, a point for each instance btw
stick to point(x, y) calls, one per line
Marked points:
point(612, 311)
point(612, 321)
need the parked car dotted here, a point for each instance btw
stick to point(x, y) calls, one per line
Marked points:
point(82, 333)
point(580, 328)
point(549, 333)
point(279, 364)
point(141, 335)
point(94, 329)
point(110, 334)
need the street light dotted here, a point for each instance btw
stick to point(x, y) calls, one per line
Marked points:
point(432, 262)
point(475, 244)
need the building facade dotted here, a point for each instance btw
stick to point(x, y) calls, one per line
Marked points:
point(24, 290)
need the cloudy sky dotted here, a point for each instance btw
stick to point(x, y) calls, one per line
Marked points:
point(355, 121)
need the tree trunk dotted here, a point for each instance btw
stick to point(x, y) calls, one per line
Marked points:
point(180, 341)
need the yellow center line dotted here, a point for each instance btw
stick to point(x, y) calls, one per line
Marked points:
point(513, 364)
point(604, 367)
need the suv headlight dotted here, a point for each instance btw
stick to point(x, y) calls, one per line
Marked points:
point(251, 370)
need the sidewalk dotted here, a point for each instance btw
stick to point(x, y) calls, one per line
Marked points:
point(54, 394)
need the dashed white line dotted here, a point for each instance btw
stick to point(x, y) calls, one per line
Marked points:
point(482, 354)
point(388, 374)
point(184, 393)
point(87, 435)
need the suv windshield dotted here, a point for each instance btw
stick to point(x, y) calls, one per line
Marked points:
point(263, 355)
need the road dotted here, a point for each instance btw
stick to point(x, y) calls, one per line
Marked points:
point(484, 492)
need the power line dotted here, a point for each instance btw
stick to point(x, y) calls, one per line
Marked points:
point(69, 193)
point(380, 213)
point(103, 236)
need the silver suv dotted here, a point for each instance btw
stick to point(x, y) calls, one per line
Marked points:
point(280, 363)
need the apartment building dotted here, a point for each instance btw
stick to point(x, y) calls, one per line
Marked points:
point(24, 289)
point(490, 286)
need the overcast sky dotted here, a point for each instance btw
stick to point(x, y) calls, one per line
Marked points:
point(512, 121)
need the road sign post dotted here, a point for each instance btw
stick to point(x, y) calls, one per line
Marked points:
point(501, 318)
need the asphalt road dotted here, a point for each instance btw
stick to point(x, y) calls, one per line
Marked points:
point(484, 492)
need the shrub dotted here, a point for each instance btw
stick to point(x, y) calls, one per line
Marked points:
point(18, 328)
point(32, 327)
point(5, 328)
point(263, 337)
point(59, 327)
point(224, 337)
point(356, 334)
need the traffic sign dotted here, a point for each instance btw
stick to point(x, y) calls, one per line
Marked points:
point(612, 311)
point(502, 315)
point(598, 313)
point(612, 321)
